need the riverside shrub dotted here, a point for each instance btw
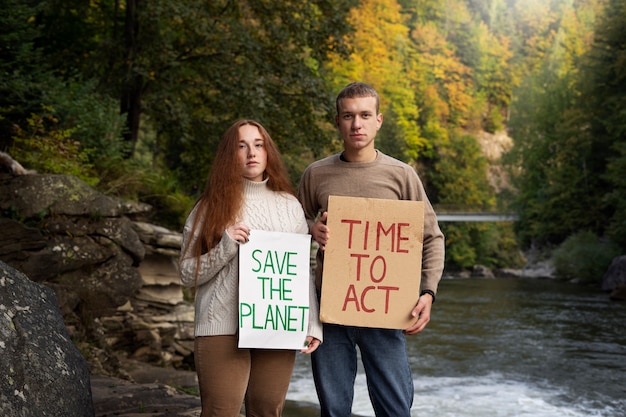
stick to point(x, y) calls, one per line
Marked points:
point(584, 257)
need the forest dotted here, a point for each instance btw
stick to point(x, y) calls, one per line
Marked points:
point(132, 97)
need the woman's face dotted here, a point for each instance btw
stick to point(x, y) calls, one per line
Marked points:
point(252, 154)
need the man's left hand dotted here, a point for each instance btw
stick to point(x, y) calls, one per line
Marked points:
point(422, 312)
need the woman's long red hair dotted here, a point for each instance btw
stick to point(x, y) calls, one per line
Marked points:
point(220, 203)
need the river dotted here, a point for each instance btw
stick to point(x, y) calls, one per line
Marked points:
point(509, 348)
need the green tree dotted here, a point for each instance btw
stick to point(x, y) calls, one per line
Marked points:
point(552, 158)
point(460, 181)
point(182, 71)
point(38, 83)
point(561, 161)
point(604, 102)
point(23, 72)
point(258, 60)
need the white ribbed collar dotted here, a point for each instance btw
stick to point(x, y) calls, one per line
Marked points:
point(255, 188)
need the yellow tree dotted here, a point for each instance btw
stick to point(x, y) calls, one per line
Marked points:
point(536, 21)
point(444, 83)
point(381, 49)
point(495, 75)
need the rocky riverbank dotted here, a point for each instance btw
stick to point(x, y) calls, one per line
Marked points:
point(108, 278)
point(159, 392)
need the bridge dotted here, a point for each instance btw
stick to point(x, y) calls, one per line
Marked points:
point(476, 217)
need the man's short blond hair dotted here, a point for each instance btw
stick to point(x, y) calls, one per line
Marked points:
point(358, 89)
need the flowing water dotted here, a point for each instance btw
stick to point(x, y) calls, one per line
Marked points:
point(509, 348)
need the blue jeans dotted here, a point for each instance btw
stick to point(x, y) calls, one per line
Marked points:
point(384, 357)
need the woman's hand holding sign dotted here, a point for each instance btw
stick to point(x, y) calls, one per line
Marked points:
point(239, 232)
point(310, 345)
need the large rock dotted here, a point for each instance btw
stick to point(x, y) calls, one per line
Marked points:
point(33, 196)
point(60, 232)
point(42, 373)
point(614, 279)
point(115, 277)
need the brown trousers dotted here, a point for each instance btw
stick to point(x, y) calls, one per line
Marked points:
point(228, 376)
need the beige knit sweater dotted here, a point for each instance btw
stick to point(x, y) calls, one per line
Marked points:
point(216, 305)
point(385, 178)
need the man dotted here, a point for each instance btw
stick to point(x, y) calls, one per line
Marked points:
point(363, 171)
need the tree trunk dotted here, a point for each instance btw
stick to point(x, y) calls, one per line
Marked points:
point(130, 100)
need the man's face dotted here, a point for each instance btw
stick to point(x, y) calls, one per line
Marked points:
point(358, 122)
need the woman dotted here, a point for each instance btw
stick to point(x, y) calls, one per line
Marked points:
point(247, 188)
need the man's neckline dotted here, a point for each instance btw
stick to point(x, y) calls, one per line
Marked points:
point(342, 157)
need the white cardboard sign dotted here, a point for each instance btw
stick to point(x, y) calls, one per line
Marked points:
point(274, 273)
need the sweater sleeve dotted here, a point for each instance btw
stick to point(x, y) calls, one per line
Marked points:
point(433, 251)
point(315, 325)
point(306, 197)
point(211, 263)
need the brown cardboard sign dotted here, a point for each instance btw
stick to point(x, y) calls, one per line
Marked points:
point(372, 262)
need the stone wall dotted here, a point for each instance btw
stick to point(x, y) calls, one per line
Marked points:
point(114, 274)
point(156, 324)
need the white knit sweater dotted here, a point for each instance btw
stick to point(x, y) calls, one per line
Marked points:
point(216, 311)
